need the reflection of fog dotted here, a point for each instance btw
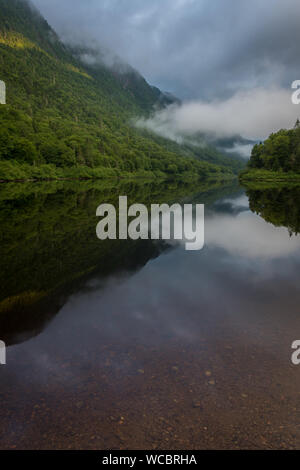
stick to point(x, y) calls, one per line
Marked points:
point(184, 294)
point(130, 342)
point(240, 201)
point(246, 271)
point(250, 236)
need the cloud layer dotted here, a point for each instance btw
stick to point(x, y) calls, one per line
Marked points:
point(252, 114)
point(232, 62)
point(198, 49)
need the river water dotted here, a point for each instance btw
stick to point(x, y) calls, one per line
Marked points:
point(142, 345)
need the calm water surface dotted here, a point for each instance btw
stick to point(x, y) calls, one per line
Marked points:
point(137, 345)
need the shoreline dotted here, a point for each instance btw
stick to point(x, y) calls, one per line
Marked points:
point(266, 176)
point(183, 178)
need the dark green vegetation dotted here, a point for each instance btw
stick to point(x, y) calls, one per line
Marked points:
point(49, 248)
point(254, 175)
point(64, 119)
point(279, 206)
point(276, 159)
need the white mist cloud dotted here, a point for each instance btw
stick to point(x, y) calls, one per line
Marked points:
point(242, 150)
point(252, 114)
point(233, 60)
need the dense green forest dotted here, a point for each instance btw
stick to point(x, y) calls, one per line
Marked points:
point(64, 118)
point(280, 154)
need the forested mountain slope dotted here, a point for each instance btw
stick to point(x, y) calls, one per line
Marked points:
point(65, 118)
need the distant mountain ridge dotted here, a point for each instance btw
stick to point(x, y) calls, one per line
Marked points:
point(67, 118)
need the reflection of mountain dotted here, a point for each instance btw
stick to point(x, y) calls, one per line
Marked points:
point(49, 246)
point(279, 206)
point(28, 314)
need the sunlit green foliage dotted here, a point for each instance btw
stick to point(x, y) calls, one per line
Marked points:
point(61, 115)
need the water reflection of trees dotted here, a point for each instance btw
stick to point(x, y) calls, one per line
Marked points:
point(279, 206)
point(49, 248)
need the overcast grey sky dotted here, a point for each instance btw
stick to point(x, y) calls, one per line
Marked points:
point(231, 61)
point(194, 48)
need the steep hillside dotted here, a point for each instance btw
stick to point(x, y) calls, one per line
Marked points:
point(95, 62)
point(66, 118)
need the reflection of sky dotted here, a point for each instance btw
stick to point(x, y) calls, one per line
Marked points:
point(240, 250)
point(239, 201)
point(246, 264)
point(243, 234)
point(245, 261)
point(249, 236)
point(240, 290)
